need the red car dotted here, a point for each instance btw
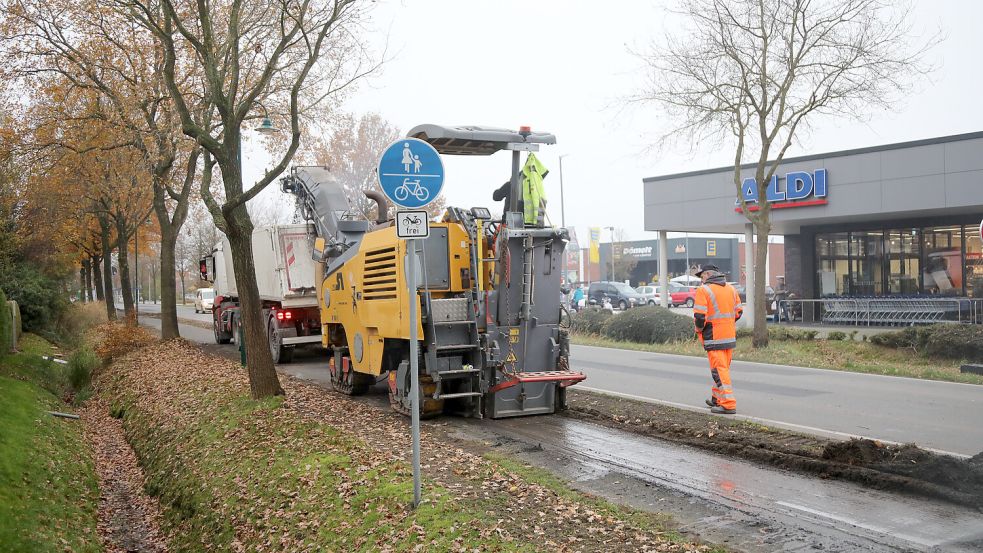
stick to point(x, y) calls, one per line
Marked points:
point(681, 295)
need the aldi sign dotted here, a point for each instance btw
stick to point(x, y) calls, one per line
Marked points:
point(797, 189)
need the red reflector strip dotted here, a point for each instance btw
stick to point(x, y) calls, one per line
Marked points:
point(785, 205)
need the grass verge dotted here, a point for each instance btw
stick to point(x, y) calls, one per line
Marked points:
point(859, 357)
point(318, 471)
point(233, 473)
point(48, 490)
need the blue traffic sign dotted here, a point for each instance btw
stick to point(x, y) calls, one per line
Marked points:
point(411, 173)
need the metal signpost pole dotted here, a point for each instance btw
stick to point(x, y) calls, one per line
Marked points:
point(414, 372)
point(411, 175)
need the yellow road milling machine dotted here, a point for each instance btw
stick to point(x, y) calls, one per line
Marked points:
point(488, 301)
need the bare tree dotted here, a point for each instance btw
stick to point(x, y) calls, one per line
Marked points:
point(623, 264)
point(352, 153)
point(282, 59)
point(759, 71)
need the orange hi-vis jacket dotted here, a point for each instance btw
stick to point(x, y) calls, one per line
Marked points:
point(717, 309)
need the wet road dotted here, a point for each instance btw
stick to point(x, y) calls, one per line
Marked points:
point(742, 505)
point(736, 503)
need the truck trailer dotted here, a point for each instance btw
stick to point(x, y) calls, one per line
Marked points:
point(285, 276)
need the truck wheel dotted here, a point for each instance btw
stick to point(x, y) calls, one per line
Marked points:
point(220, 337)
point(280, 353)
point(689, 302)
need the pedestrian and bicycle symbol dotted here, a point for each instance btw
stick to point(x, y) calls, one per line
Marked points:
point(411, 173)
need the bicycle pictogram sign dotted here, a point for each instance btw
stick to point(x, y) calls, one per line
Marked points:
point(411, 173)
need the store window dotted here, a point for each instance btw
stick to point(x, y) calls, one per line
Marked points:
point(833, 267)
point(974, 263)
point(942, 272)
point(904, 261)
point(867, 263)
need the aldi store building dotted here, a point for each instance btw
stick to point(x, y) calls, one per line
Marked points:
point(896, 220)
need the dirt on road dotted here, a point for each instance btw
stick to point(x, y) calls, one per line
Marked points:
point(905, 468)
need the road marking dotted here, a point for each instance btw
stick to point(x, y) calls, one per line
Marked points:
point(768, 422)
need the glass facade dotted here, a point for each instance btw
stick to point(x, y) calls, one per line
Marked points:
point(938, 261)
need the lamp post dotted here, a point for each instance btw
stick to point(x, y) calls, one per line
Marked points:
point(136, 269)
point(563, 214)
point(612, 252)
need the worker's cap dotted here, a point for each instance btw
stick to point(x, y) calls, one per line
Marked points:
point(708, 268)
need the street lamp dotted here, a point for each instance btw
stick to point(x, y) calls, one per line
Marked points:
point(612, 251)
point(563, 213)
point(136, 268)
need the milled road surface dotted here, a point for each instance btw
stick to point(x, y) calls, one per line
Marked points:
point(732, 502)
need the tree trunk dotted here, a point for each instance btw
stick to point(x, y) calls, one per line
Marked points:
point(760, 336)
point(168, 293)
point(81, 288)
point(125, 285)
point(107, 268)
point(263, 381)
point(87, 265)
point(97, 277)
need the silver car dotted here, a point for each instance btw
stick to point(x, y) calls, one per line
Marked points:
point(650, 294)
point(204, 299)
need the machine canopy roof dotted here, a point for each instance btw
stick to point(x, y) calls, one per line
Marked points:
point(473, 140)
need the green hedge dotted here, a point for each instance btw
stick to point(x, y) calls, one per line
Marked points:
point(780, 333)
point(5, 325)
point(41, 299)
point(589, 321)
point(649, 325)
point(952, 340)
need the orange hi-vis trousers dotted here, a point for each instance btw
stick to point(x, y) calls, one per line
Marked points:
point(720, 371)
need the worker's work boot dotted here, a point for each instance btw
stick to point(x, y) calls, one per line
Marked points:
point(722, 411)
point(712, 402)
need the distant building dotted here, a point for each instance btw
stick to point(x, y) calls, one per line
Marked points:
point(899, 219)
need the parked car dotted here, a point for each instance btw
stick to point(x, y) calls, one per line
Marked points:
point(681, 295)
point(204, 299)
point(621, 295)
point(650, 294)
point(769, 295)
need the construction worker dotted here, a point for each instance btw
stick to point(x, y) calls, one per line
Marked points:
point(716, 310)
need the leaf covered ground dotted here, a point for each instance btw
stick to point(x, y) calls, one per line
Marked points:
point(318, 471)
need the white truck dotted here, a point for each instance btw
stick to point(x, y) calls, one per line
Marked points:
point(285, 276)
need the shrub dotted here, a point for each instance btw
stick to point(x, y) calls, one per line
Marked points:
point(78, 319)
point(5, 326)
point(649, 325)
point(80, 367)
point(836, 335)
point(947, 340)
point(41, 298)
point(589, 321)
point(119, 339)
point(907, 338)
point(780, 333)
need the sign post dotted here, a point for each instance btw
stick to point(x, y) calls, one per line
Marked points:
point(411, 175)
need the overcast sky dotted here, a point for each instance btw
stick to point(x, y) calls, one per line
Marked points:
point(564, 66)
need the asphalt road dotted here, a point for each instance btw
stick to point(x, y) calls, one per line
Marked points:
point(937, 415)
